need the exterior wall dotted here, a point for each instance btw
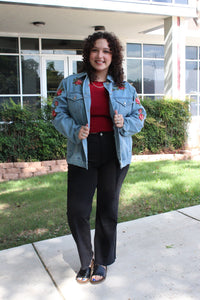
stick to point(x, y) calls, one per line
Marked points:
point(174, 38)
point(174, 34)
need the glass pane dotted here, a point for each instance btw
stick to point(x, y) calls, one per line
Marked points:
point(9, 45)
point(153, 51)
point(52, 46)
point(4, 100)
point(134, 73)
point(191, 52)
point(134, 50)
point(9, 75)
point(194, 105)
point(153, 77)
point(55, 73)
point(199, 76)
point(166, 1)
point(181, 1)
point(153, 97)
point(31, 74)
point(191, 77)
point(32, 103)
point(77, 65)
point(29, 45)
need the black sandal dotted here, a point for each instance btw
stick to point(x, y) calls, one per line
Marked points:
point(98, 270)
point(84, 275)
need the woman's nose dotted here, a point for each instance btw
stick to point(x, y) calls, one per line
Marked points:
point(100, 53)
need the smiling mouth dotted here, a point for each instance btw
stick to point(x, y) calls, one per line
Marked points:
point(99, 62)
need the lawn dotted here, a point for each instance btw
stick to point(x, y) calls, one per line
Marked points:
point(35, 208)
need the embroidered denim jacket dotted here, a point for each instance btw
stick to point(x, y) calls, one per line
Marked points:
point(71, 110)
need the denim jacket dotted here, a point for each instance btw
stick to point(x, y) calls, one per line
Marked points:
point(71, 110)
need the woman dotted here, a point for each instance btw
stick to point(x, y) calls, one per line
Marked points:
point(98, 112)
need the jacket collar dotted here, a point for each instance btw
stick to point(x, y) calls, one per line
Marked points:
point(84, 74)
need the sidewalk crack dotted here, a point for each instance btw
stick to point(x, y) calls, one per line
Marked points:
point(46, 269)
point(180, 212)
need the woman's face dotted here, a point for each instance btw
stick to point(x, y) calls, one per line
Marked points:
point(101, 56)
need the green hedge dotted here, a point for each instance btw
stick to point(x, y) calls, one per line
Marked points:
point(165, 127)
point(27, 135)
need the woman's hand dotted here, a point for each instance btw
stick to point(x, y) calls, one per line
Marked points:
point(83, 132)
point(118, 120)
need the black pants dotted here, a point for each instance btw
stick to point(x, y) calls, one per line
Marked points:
point(103, 173)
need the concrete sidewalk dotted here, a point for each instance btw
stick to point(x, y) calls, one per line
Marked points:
point(158, 257)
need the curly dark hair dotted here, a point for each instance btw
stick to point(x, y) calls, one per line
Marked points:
point(115, 68)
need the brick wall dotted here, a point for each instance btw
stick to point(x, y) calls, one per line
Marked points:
point(19, 170)
point(11, 171)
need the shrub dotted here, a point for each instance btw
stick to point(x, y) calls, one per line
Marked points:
point(29, 135)
point(165, 127)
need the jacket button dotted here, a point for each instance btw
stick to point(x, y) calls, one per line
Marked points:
point(124, 103)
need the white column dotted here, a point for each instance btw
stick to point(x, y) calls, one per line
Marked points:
point(174, 35)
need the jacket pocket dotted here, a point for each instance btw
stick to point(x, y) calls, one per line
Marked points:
point(123, 105)
point(76, 106)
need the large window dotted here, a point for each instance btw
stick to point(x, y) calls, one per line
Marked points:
point(20, 70)
point(21, 63)
point(145, 69)
point(192, 77)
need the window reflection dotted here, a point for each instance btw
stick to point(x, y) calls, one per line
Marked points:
point(56, 46)
point(6, 100)
point(29, 45)
point(8, 45)
point(191, 52)
point(55, 73)
point(193, 105)
point(134, 50)
point(153, 51)
point(9, 75)
point(30, 75)
point(191, 76)
point(153, 77)
point(32, 103)
point(134, 73)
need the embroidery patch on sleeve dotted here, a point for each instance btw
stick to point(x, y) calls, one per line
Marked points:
point(59, 92)
point(137, 100)
point(54, 114)
point(141, 117)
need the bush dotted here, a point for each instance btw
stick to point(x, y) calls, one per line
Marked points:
point(165, 127)
point(27, 135)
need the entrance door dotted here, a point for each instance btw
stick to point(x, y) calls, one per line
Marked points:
point(54, 69)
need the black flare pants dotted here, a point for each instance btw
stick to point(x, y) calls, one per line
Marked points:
point(105, 176)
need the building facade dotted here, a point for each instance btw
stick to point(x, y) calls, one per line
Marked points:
point(41, 42)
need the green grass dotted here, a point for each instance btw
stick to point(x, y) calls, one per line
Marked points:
point(35, 208)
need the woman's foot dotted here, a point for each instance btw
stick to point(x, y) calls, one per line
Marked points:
point(98, 274)
point(84, 275)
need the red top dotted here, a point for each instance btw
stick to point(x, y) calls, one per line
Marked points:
point(100, 114)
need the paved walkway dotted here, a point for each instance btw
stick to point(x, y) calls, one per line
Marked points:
point(158, 258)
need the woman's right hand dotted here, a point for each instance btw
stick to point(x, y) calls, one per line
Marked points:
point(83, 132)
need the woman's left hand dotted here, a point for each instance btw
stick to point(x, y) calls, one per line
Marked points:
point(118, 120)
